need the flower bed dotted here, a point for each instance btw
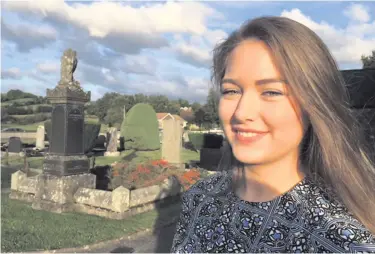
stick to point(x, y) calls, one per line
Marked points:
point(133, 176)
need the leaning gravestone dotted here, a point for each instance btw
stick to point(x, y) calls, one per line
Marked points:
point(15, 145)
point(172, 140)
point(112, 143)
point(40, 134)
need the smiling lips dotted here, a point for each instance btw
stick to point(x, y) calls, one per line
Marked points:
point(247, 136)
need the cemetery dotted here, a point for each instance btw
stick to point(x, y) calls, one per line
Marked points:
point(118, 175)
point(76, 171)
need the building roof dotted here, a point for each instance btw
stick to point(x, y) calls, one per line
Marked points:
point(161, 116)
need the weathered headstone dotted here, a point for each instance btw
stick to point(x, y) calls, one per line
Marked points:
point(112, 143)
point(172, 140)
point(40, 134)
point(15, 145)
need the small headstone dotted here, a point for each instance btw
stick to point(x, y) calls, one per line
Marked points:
point(15, 145)
point(100, 141)
point(172, 140)
point(112, 143)
point(40, 134)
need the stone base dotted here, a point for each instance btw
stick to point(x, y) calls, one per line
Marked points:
point(23, 196)
point(112, 154)
point(61, 165)
point(56, 193)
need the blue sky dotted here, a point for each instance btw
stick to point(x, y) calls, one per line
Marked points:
point(155, 47)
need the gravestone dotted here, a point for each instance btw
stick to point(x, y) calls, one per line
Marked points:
point(112, 143)
point(66, 167)
point(101, 142)
point(172, 140)
point(40, 134)
point(66, 152)
point(15, 145)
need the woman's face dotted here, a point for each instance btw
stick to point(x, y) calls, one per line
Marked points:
point(260, 119)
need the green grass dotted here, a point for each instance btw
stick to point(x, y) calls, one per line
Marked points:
point(34, 162)
point(25, 229)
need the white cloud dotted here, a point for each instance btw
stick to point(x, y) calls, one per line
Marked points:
point(357, 12)
point(48, 67)
point(120, 18)
point(11, 73)
point(140, 64)
point(37, 36)
point(197, 51)
point(348, 44)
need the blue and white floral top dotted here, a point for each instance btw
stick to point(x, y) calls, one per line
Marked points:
point(308, 218)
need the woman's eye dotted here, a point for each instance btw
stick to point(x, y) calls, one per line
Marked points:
point(272, 93)
point(229, 92)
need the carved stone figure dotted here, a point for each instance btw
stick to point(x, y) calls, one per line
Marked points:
point(68, 66)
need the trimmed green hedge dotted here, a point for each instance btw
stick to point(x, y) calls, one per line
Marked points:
point(140, 128)
point(205, 140)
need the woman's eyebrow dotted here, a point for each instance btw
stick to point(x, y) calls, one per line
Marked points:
point(257, 82)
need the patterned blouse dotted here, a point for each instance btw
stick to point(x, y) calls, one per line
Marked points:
point(306, 219)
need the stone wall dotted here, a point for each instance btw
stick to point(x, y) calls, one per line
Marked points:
point(116, 204)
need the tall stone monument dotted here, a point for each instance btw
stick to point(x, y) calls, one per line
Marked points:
point(66, 167)
point(66, 153)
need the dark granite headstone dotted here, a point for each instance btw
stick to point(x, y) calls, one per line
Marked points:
point(15, 145)
point(57, 143)
point(75, 129)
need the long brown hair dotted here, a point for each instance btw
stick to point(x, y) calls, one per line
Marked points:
point(334, 147)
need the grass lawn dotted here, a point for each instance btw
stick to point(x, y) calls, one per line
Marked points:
point(25, 229)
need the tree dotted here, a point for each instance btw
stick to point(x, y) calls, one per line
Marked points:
point(103, 104)
point(368, 61)
point(211, 108)
point(183, 103)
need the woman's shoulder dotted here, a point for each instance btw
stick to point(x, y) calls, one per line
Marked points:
point(330, 220)
point(217, 182)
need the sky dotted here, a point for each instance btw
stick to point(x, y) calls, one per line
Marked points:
point(154, 47)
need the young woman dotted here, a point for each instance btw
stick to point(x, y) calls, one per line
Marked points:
point(297, 176)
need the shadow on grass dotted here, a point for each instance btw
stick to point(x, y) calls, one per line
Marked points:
point(168, 210)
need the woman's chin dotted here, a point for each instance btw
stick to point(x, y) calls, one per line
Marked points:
point(249, 157)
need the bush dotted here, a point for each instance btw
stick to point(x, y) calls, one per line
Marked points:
point(12, 110)
point(43, 109)
point(205, 140)
point(140, 128)
point(91, 131)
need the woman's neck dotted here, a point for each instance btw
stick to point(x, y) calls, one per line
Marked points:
point(261, 183)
